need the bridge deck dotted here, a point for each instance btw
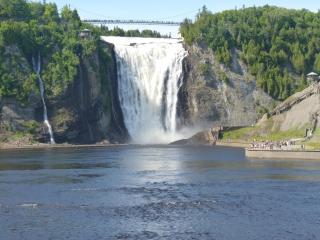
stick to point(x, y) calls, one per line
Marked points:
point(140, 22)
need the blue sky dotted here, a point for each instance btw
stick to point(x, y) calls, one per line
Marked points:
point(175, 10)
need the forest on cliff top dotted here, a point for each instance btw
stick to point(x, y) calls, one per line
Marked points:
point(280, 46)
point(31, 28)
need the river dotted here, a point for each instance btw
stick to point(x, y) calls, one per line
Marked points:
point(156, 192)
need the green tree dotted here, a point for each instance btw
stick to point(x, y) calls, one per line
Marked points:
point(51, 13)
point(14, 10)
point(275, 43)
point(70, 18)
point(298, 62)
point(317, 63)
point(36, 10)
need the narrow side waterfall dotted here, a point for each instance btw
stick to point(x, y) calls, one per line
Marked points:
point(37, 69)
point(149, 78)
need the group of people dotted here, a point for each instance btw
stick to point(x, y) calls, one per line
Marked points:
point(271, 145)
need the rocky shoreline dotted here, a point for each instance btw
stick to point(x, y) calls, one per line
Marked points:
point(209, 137)
point(4, 147)
point(233, 144)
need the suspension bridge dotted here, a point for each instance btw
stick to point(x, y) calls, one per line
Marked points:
point(137, 22)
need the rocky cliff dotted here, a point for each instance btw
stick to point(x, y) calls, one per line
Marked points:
point(87, 111)
point(216, 94)
point(296, 119)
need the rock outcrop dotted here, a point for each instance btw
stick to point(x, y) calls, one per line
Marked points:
point(215, 94)
point(296, 119)
point(207, 137)
point(88, 111)
point(299, 111)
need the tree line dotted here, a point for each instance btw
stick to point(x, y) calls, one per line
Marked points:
point(280, 46)
point(28, 28)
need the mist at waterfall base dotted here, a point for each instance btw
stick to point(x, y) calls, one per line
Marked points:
point(150, 75)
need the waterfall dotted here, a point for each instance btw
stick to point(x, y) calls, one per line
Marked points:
point(37, 69)
point(149, 78)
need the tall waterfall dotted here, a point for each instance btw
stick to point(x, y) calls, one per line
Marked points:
point(149, 79)
point(37, 69)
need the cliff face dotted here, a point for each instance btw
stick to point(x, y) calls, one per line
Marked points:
point(215, 94)
point(17, 117)
point(88, 111)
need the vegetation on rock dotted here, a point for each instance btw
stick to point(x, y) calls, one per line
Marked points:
point(32, 28)
point(278, 45)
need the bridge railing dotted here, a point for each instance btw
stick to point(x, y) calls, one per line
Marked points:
point(140, 22)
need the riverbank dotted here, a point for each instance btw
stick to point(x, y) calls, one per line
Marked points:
point(7, 146)
point(4, 147)
point(233, 144)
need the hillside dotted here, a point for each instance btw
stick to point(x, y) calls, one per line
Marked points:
point(295, 118)
point(214, 94)
point(77, 74)
point(279, 46)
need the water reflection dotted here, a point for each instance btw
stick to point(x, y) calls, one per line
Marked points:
point(39, 166)
point(152, 159)
point(156, 192)
point(144, 159)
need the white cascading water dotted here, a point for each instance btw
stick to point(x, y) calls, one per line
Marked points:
point(149, 78)
point(37, 69)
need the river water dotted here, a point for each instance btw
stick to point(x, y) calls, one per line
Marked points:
point(156, 193)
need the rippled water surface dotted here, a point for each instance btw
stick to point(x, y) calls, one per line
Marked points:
point(156, 193)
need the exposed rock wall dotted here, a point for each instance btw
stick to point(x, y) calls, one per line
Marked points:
point(17, 117)
point(13, 115)
point(215, 94)
point(87, 112)
point(205, 137)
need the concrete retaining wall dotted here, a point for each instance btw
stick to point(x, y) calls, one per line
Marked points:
point(294, 154)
